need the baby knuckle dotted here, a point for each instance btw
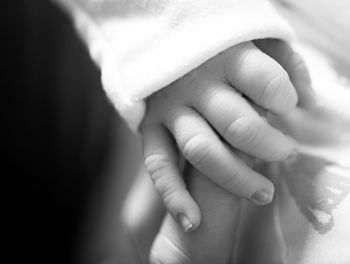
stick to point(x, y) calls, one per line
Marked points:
point(233, 132)
point(196, 149)
point(209, 94)
point(244, 133)
point(275, 89)
point(204, 97)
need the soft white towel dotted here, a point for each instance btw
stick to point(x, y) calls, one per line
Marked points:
point(142, 46)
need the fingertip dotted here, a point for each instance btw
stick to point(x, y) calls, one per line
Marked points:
point(188, 216)
point(185, 222)
point(264, 195)
point(256, 188)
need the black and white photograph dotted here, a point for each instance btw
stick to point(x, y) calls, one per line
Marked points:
point(176, 131)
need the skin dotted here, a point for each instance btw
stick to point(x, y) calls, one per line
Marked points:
point(143, 214)
point(214, 118)
point(221, 210)
point(220, 218)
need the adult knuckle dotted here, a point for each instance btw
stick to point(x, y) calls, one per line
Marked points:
point(236, 181)
point(170, 196)
point(155, 165)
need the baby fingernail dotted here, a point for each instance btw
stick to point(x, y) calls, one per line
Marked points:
point(262, 197)
point(185, 222)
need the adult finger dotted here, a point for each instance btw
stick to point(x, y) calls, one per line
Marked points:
point(204, 150)
point(294, 66)
point(218, 232)
point(162, 165)
point(239, 124)
point(142, 215)
point(260, 78)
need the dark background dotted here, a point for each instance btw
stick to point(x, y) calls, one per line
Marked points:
point(57, 129)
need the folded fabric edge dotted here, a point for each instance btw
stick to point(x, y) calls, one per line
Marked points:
point(129, 78)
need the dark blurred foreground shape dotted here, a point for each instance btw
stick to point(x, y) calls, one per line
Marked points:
point(57, 132)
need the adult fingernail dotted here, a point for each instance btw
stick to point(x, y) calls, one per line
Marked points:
point(185, 222)
point(262, 197)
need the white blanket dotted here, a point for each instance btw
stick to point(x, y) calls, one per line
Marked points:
point(142, 46)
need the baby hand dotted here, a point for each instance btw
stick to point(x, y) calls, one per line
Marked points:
point(214, 115)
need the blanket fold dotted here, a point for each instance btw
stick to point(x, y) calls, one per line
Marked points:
point(143, 46)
